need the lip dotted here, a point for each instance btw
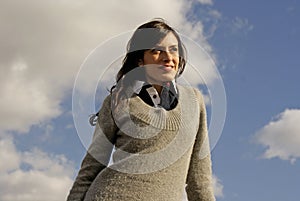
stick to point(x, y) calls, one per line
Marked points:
point(166, 68)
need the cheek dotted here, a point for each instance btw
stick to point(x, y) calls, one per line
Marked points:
point(177, 64)
point(150, 70)
point(177, 60)
point(150, 59)
point(147, 59)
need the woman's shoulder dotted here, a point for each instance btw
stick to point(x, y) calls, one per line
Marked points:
point(187, 93)
point(106, 103)
point(190, 90)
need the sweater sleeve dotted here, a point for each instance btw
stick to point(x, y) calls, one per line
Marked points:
point(98, 154)
point(199, 178)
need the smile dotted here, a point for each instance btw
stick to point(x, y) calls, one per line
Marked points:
point(166, 68)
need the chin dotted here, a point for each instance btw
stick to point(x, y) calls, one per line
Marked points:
point(168, 78)
point(159, 79)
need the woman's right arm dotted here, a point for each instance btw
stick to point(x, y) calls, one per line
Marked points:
point(98, 154)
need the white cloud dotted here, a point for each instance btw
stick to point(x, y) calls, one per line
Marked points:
point(25, 101)
point(281, 136)
point(215, 14)
point(8, 157)
point(241, 25)
point(32, 175)
point(217, 186)
point(206, 2)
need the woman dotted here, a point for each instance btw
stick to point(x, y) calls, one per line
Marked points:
point(158, 129)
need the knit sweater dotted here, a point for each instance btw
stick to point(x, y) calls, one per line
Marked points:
point(157, 153)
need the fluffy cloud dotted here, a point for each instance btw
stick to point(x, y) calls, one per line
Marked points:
point(281, 136)
point(218, 186)
point(241, 25)
point(25, 101)
point(8, 154)
point(32, 175)
point(206, 2)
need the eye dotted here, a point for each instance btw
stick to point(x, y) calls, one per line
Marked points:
point(156, 50)
point(174, 49)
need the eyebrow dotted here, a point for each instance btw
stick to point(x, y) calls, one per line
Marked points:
point(175, 45)
point(163, 47)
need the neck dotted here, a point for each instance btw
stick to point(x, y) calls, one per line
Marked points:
point(157, 87)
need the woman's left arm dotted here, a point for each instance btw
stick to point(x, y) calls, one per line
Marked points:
point(98, 154)
point(199, 179)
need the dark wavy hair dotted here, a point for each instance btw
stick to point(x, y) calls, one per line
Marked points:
point(145, 37)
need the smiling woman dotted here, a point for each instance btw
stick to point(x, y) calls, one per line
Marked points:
point(157, 128)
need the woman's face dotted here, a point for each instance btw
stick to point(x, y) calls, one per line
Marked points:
point(161, 62)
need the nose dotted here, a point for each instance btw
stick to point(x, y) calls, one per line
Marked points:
point(167, 56)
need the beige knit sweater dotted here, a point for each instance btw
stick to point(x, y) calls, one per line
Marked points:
point(157, 153)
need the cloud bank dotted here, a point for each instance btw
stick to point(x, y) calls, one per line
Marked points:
point(32, 175)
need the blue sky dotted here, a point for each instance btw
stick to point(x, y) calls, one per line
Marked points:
point(261, 79)
point(254, 44)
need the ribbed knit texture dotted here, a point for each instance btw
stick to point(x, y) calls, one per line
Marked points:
point(157, 153)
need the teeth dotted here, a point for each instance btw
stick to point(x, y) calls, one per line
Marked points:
point(166, 66)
